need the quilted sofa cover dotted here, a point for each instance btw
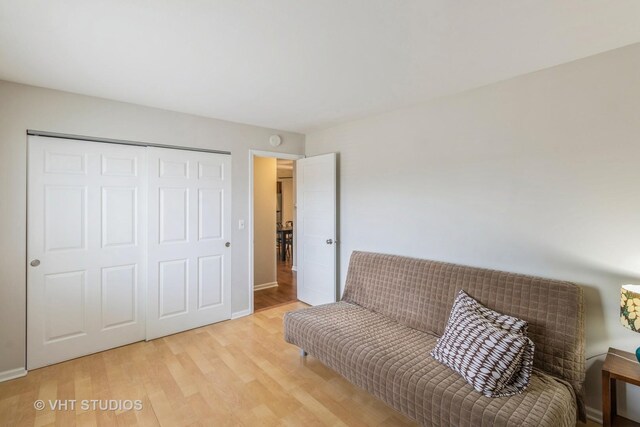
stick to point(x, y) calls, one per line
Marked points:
point(393, 310)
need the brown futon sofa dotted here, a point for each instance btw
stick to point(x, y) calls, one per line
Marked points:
point(393, 310)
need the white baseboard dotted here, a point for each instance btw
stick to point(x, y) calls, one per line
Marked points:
point(265, 286)
point(294, 268)
point(12, 373)
point(241, 313)
point(594, 414)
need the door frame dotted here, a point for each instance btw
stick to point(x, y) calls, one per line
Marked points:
point(250, 222)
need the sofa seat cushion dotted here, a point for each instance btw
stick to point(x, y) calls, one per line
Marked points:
point(392, 361)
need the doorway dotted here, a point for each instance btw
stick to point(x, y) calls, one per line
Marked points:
point(273, 229)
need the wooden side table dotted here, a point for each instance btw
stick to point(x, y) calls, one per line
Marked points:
point(618, 365)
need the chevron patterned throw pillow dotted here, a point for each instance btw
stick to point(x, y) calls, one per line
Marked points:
point(490, 350)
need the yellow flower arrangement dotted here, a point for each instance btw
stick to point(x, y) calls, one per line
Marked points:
point(630, 307)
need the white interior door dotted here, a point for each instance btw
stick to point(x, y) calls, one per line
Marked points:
point(317, 239)
point(189, 230)
point(86, 248)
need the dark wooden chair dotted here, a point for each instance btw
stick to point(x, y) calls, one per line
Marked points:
point(288, 241)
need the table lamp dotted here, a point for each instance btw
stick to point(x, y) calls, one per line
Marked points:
point(630, 309)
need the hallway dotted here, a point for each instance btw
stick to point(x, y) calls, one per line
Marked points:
point(285, 291)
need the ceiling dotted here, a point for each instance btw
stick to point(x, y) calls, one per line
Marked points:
point(297, 64)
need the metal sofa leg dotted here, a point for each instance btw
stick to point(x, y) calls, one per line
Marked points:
point(303, 353)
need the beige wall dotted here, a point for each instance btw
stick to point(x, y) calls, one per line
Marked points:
point(264, 220)
point(539, 175)
point(25, 107)
point(287, 199)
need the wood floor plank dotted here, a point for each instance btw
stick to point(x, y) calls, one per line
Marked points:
point(285, 292)
point(236, 373)
point(184, 379)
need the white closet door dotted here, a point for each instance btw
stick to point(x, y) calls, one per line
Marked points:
point(188, 241)
point(86, 276)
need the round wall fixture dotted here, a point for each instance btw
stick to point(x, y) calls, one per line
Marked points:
point(275, 140)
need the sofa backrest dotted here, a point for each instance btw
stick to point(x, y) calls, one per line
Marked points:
point(419, 294)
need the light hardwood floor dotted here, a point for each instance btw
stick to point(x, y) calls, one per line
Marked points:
point(284, 293)
point(239, 372)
